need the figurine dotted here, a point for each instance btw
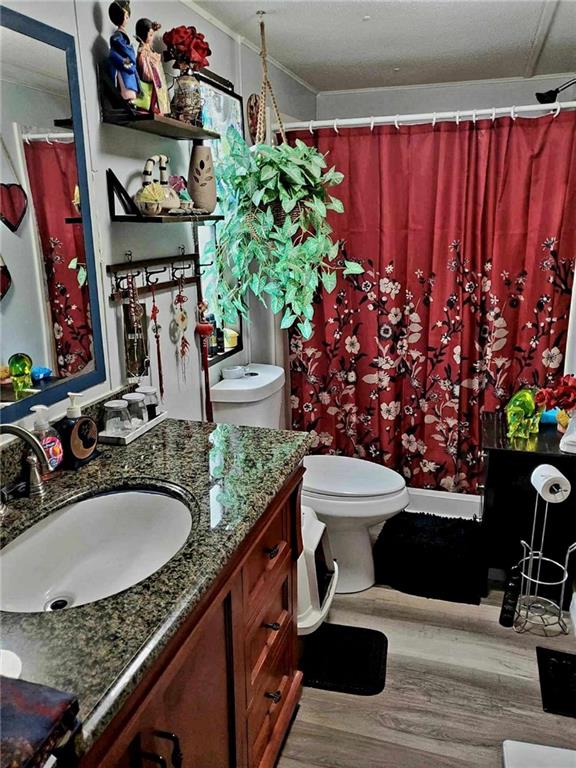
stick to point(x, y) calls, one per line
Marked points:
point(153, 95)
point(122, 58)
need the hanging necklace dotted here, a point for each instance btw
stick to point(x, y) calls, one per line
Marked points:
point(154, 312)
point(182, 322)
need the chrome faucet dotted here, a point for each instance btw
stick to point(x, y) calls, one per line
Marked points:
point(35, 458)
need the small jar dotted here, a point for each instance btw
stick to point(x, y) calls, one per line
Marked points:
point(136, 409)
point(116, 417)
point(150, 400)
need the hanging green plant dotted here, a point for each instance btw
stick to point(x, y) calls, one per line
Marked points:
point(275, 241)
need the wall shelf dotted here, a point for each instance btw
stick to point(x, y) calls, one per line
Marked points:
point(131, 213)
point(160, 125)
point(168, 219)
point(116, 111)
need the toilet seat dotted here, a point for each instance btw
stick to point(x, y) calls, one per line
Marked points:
point(345, 477)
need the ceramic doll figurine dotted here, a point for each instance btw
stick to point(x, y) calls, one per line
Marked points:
point(122, 58)
point(153, 90)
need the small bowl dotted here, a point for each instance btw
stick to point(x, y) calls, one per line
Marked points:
point(234, 372)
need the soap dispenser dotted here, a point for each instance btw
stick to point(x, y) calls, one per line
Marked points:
point(47, 436)
point(79, 435)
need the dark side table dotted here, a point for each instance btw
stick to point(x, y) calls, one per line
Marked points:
point(509, 496)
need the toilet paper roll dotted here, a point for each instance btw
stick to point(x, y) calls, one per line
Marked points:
point(550, 483)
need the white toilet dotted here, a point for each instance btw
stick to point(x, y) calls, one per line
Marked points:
point(255, 400)
point(350, 496)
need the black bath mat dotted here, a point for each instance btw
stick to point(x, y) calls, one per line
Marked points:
point(432, 556)
point(345, 659)
point(557, 681)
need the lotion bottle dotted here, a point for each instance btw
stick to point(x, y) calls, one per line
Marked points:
point(48, 436)
point(79, 435)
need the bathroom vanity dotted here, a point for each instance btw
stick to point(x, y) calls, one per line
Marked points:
point(197, 664)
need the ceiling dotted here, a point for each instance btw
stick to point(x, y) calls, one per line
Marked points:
point(43, 66)
point(332, 46)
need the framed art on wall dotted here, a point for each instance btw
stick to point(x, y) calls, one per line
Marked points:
point(221, 108)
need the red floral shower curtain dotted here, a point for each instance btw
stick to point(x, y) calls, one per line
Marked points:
point(467, 234)
point(53, 176)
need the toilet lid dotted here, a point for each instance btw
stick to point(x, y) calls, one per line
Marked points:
point(344, 476)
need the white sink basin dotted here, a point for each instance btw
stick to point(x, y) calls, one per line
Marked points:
point(91, 549)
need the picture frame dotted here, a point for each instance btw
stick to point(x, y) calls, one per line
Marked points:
point(222, 107)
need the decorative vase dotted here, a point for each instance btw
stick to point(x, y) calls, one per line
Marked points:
point(201, 179)
point(186, 104)
point(568, 441)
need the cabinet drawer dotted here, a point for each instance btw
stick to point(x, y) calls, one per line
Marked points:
point(269, 697)
point(269, 627)
point(264, 561)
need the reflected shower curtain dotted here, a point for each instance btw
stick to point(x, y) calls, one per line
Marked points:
point(467, 234)
point(53, 177)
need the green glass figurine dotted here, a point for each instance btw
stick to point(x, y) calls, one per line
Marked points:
point(522, 415)
point(20, 365)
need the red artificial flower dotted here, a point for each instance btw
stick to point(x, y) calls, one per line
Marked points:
point(563, 395)
point(185, 45)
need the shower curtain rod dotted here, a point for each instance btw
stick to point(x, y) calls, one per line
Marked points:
point(47, 136)
point(432, 117)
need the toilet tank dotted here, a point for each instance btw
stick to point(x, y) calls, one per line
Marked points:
point(255, 400)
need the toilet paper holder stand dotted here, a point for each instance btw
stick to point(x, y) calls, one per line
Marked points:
point(540, 573)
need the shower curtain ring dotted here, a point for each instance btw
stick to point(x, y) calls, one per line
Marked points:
point(371, 124)
point(558, 108)
point(310, 128)
point(474, 116)
point(396, 122)
point(457, 117)
point(513, 113)
point(493, 114)
point(434, 120)
point(336, 126)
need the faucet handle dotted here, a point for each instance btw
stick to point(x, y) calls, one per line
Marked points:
point(35, 483)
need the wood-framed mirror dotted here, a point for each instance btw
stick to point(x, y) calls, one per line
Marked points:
point(49, 307)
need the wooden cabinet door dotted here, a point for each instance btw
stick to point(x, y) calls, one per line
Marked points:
point(187, 719)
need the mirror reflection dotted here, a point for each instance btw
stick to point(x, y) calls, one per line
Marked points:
point(44, 305)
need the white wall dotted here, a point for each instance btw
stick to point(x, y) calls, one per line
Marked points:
point(125, 151)
point(438, 97)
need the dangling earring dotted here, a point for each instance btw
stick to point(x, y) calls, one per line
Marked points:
point(154, 312)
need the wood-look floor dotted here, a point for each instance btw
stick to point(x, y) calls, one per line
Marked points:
point(457, 685)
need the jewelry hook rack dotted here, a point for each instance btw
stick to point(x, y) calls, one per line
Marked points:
point(175, 267)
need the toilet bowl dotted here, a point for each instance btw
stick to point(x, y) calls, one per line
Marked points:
point(350, 496)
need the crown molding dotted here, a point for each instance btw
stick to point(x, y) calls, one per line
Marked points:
point(449, 84)
point(240, 40)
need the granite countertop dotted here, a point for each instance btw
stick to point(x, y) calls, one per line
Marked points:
point(494, 437)
point(100, 651)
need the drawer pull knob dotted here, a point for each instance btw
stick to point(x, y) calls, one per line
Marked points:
point(274, 695)
point(272, 552)
point(272, 625)
point(177, 757)
point(151, 757)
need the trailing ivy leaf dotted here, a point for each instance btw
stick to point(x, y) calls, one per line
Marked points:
point(353, 268)
point(268, 172)
point(287, 319)
point(336, 205)
point(306, 329)
point(276, 304)
point(328, 281)
point(308, 311)
point(257, 196)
